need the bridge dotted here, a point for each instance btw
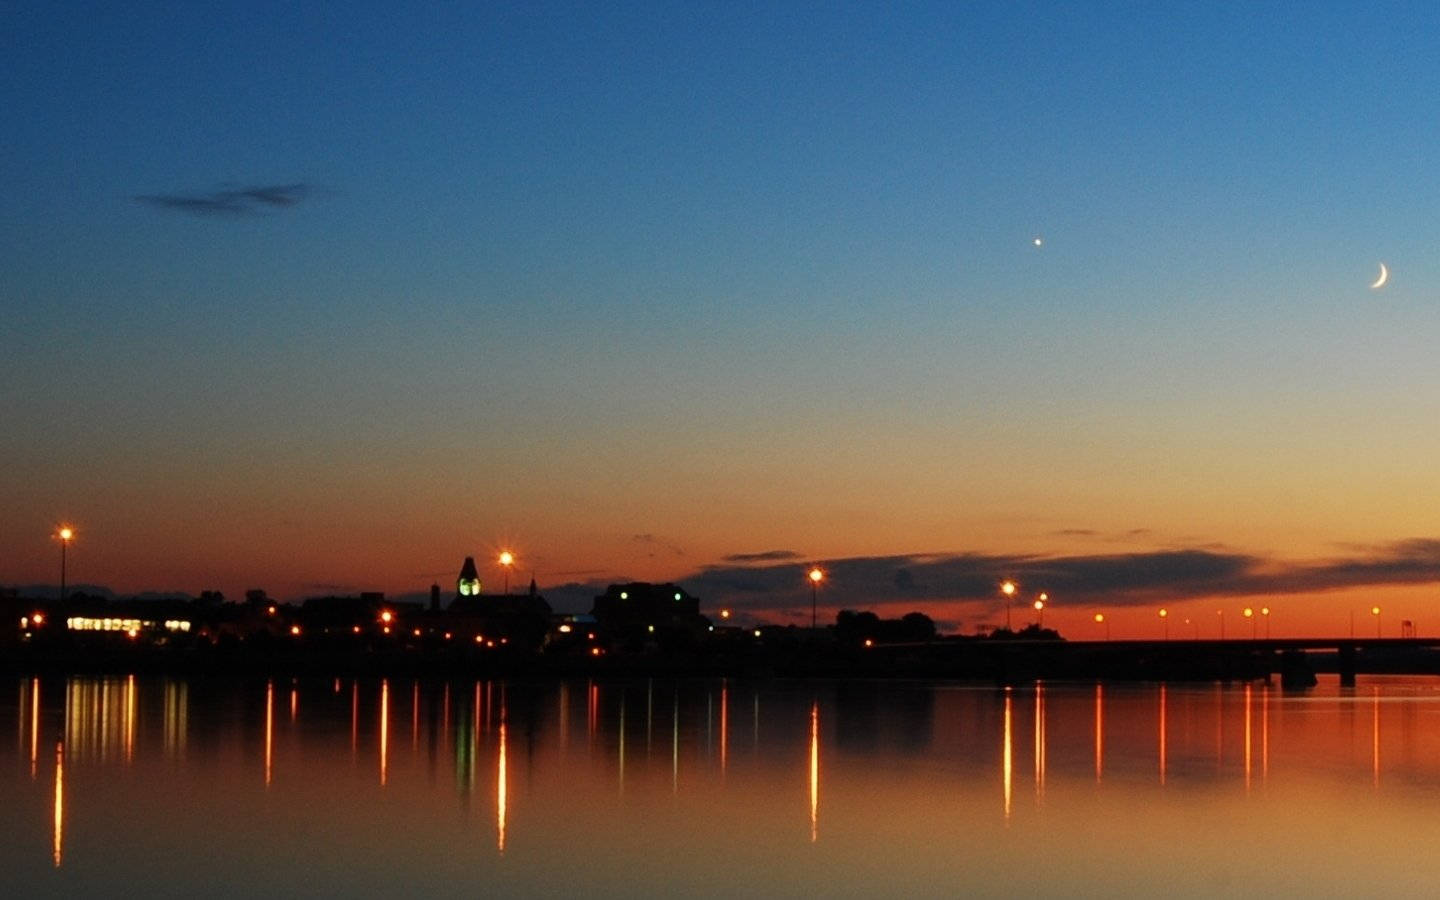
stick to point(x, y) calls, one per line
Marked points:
point(1172, 659)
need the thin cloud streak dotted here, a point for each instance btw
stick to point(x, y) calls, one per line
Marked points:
point(231, 202)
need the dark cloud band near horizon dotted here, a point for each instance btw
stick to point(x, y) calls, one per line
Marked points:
point(1126, 579)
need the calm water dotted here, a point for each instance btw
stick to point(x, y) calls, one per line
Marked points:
point(371, 788)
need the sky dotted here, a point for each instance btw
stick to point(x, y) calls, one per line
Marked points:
point(319, 298)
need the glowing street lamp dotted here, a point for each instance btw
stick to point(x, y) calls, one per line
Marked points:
point(1250, 614)
point(1265, 611)
point(1008, 589)
point(1165, 620)
point(1375, 611)
point(1040, 610)
point(1100, 620)
point(815, 578)
point(65, 534)
point(507, 559)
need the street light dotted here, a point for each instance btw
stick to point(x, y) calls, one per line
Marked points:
point(1265, 611)
point(1008, 589)
point(1375, 611)
point(1040, 610)
point(815, 577)
point(1250, 614)
point(65, 534)
point(1100, 620)
point(1165, 620)
point(507, 559)
point(1221, 614)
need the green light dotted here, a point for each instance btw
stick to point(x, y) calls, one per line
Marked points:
point(624, 595)
point(677, 595)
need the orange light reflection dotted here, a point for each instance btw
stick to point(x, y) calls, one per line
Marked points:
point(269, 728)
point(501, 793)
point(1163, 748)
point(384, 730)
point(59, 843)
point(1099, 731)
point(814, 771)
point(1039, 743)
point(1006, 752)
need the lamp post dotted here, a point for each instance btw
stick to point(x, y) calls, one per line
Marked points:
point(1221, 614)
point(815, 578)
point(1265, 611)
point(65, 534)
point(1100, 620)
point(1250, 614)
point(1040, 609)
point(1165, 620)
point(1008, 589)
point(1375, 611)
point(507, 559)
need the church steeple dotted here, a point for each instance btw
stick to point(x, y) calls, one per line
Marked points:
point(468, 584)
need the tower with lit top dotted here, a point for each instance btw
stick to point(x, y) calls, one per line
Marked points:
point(468, 584)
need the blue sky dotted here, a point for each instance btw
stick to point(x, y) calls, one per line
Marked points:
point(582, 263)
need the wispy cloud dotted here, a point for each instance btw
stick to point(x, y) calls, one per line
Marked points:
point(659, 542)
point(763, 556)
point(237, 201)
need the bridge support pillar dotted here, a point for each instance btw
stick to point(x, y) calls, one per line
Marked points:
point(1347, 665)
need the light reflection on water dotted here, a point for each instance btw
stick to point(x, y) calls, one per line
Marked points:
point(199, 785)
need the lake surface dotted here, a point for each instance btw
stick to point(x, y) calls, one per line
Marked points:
point(170, 787)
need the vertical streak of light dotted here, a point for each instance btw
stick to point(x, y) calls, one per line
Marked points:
point(102, 721)
point(59, 842)
point(564, 715)
point(724, 723)
point(34, 724)
point(1247, 736)
point(1265, 732)
point(445, 714)
point(814, 771)
point(592, 710)
point(1219, 727)
point(354, 718)
point(1099, 731)
point(384, 731)
point(475, 719)
point(1005, 758)
point(129, 719)
point(294, 702)
point(269, 728)
point(1163, 736)
point(1040, 743)
point(1375, 737)
point(501, 792)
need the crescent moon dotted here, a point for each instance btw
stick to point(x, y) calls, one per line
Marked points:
point(1384, 277)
